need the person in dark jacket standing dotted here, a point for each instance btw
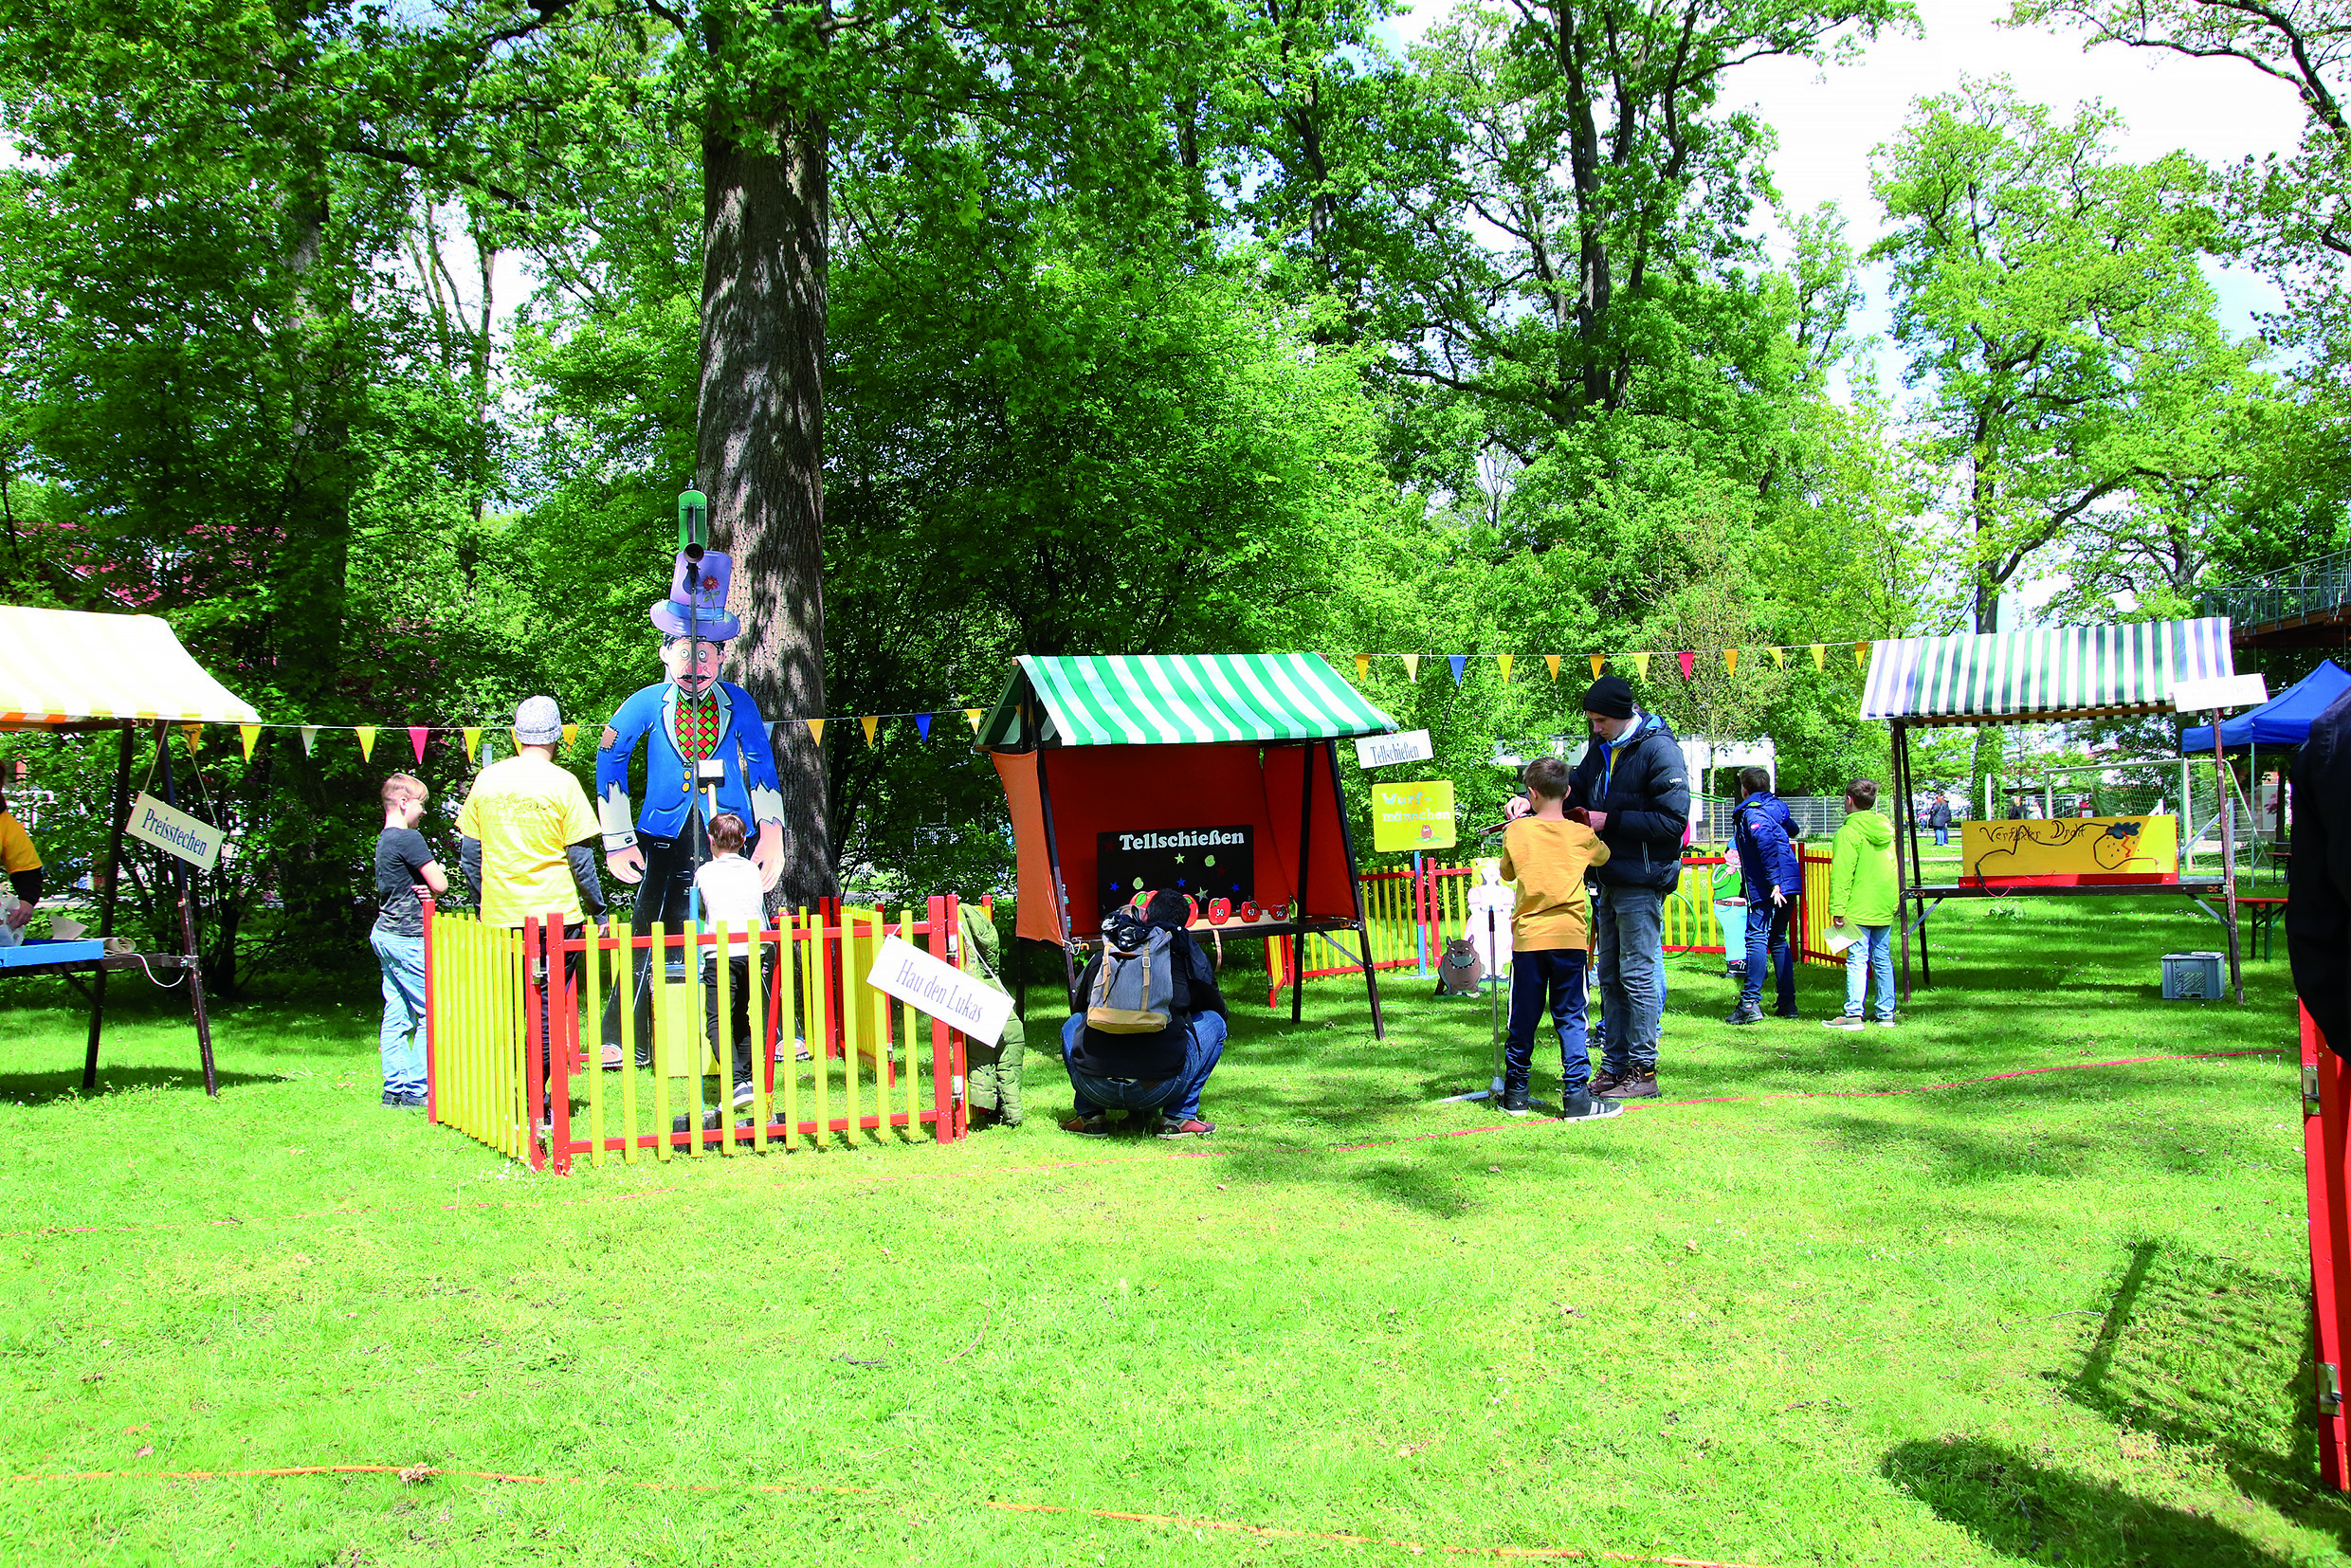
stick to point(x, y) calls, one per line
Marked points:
point(2318, 892)
point(1632, 790)
point(1165, 1070)
point(1772, 882)
point(1939, 818)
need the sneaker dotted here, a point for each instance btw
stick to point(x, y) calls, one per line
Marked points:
point(1745, 1015)
point(392, 1100)
point(1638, 1086)
point(1513, 1103)
point(1886, 1022)
point(1586, 1107)
point(396, 1100)
point(1850, 1022)
point(1086, 1126)
point(612, 1056)
point(1189, 1127)
point(743, 1094)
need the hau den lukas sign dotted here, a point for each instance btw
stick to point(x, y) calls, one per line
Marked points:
point(174, 833)
point(938, 988)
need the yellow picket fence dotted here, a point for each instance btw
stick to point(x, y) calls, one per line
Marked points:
point(517, 1030)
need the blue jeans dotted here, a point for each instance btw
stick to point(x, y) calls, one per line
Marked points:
point(1872, 953)
point(1552, 976)
point(1179, 1098)
point(401, 1040)
point(1628, 961)
point(1767, 941)
point(1943, 837)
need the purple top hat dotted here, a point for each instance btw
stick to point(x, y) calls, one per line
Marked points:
point(699, 588)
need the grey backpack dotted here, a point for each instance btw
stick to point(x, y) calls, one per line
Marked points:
point(1135, 991)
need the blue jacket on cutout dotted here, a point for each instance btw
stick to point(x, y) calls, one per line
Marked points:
point(751, 789)
point(1766, 854)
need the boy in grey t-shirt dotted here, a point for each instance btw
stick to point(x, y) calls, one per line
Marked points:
point(403, 859)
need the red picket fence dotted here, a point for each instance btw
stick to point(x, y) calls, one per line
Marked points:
point(514, 1019)
point(1410, 912)
point(2326, 1151)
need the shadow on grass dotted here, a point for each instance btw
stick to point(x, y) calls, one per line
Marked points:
point(2034, 1513)
point(42, 1088)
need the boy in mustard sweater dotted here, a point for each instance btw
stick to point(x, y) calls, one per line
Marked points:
point(1548, 855)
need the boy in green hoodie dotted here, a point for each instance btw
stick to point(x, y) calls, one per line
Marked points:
point(1863, 903)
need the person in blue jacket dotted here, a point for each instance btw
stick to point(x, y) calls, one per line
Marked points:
point(687, 721)
point(1772, 883)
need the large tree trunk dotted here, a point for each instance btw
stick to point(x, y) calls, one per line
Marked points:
point(760, 447)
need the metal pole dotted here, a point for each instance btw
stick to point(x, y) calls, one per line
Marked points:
point(107, 899)
point(1305, 851)
point(1355, 881)
point(2228, 859)
point(181, 881)
point(1902, 802)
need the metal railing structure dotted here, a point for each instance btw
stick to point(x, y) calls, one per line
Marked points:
point(2316, 590)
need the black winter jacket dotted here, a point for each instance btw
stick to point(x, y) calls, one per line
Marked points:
point(1647, 799)
point(2318, 893)
point(1150, 1058)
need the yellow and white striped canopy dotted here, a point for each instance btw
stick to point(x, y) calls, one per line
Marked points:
point(62, 668)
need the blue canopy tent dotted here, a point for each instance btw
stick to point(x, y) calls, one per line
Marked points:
point(2282, 721)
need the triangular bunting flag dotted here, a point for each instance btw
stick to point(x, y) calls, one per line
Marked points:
point(1504, 660)
point(310, 738)
point(1553, 660)
point(571, 733)
point(1411, 667)
point(816, 730)
point(922, 725)
point(1820, 656)
point(1689, 663)
point(1597, 660)
point(196, 738)
point(1730, 661)
point(367, 741)
point(1362, 669)
point(1779, 657)
point(248, 733)
point(973, 715)
point(473, 740)
point(1459, 661)
point(416, 739)
point(1640, 664)
point(872, 724)
point(1860, 653)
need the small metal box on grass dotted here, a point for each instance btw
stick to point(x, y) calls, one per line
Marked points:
point(2190, 975)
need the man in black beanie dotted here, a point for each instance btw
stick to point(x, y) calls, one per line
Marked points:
point(1632, 790)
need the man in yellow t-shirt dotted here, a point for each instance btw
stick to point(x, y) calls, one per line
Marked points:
point(22, 863)
point(1547, 856)
point(528, 837)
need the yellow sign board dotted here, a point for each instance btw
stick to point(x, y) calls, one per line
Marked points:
point(2070, 851)
point(1412, 816)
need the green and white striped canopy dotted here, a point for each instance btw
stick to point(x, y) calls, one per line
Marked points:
point(1176, 700)
point(2053, 673)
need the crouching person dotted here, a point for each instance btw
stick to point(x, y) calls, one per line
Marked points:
point(1150, 1031)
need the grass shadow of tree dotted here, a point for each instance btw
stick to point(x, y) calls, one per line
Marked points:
point(42, 1088)
point(2036, 1513)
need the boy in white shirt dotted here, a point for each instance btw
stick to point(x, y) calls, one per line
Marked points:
point(732, 895)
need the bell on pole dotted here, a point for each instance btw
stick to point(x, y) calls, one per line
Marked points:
point(693, 523)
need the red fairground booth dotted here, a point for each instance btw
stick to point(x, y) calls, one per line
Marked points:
point(1216, 774)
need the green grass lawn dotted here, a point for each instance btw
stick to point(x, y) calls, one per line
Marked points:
point(2052, 1318)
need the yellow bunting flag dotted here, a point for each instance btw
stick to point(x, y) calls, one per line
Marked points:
point(1640, 665)
point(473, 740)
point(1860, 653)
point(1779, 657)
point(1504, 660)
point(196, 738)
point(1411, 667)
point(248, 733)
point(571, 733)
point(1820, 656)
point(816, 730)
point(1362, 668)
point(1552, 660)
point(1597, 660)
point(367, 741)
point(973, 715)
point(1730, 661)
point(871, 724)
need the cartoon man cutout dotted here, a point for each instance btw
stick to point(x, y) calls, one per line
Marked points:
point(687, 722)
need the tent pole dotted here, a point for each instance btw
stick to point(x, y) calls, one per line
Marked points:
point(1355, 881)
point(1306, 853)
point(188, 925)
point(2227, 860)
point(1909, 788)
point(1902, 803)
point(1061, 894)
point(107, 896)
